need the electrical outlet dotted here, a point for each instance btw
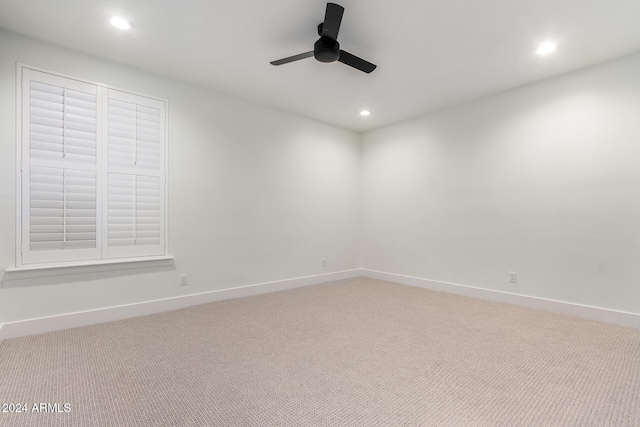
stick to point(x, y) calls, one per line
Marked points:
point(184, 279)
point(324, 262)
point(513, 277)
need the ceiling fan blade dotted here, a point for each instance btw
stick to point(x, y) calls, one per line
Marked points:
point(355, 62)
point(332, 20)
point(292, 58)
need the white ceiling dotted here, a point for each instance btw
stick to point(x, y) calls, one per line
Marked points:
point(430, 53)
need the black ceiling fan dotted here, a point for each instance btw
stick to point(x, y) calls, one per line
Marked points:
point(327, 48)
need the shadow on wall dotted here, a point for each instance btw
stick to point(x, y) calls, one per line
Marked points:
point(80, 274)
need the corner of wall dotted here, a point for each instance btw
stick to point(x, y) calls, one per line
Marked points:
point(360, 234)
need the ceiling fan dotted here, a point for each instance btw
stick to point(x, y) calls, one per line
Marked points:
point(327, 48)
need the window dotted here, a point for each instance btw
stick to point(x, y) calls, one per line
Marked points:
point(92, 172)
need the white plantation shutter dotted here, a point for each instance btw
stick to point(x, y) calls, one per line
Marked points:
point(92, 171)
point(135, 134)
point(62, 208)
point(148, 210)
point(134, 210)
point(135, 184)
point(59, 169)
point(63, 123)
point(122, 210)
point(46, 204)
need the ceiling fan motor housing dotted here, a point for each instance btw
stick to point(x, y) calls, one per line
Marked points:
point(326, 50)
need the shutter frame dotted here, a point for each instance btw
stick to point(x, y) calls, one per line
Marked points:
point(43, 240)
point(81, 157)
point(135, 146)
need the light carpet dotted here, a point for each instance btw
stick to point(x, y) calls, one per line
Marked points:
point(360, 352)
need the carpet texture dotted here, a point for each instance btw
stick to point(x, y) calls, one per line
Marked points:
point(359, 352)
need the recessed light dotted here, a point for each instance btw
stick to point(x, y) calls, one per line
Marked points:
point(365, 113)
point(546, 48)
point(121, 23)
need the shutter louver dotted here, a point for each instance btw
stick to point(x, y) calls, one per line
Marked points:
point(47, 208)
point(122, 133)
point(122, 207)
point(63, 124)
point(80, 206)
point(134, 135)
point(134, 210)
point(62, 208)
point(148, 210)
point(148, 137)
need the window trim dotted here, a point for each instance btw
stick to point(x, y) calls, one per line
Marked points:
point(85, 267)
point(23, 270)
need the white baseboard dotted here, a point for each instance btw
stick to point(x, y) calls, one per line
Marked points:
point(621, 318)
point(90, 317)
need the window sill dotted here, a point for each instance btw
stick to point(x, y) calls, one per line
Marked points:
point(48, 270)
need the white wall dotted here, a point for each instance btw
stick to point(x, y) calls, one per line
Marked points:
point(543, 180)
point(255, 194)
